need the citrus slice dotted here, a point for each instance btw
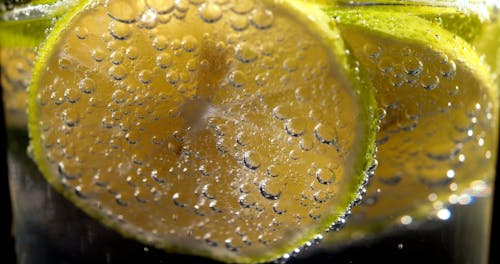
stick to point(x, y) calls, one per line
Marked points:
point(233, 129)
point(437, 142)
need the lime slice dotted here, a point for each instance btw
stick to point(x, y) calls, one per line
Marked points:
point(234, 130)
point(437, 142)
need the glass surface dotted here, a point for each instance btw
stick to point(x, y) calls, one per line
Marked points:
point(49, 229)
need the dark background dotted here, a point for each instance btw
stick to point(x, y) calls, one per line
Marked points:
point(375, 252)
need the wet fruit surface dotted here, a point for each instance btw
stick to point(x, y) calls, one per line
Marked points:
point(221, 128)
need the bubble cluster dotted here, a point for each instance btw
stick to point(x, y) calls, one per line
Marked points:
point(201, 127)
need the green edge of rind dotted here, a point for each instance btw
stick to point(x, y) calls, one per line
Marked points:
point(330, 35)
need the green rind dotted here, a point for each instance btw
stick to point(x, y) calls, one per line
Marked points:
point(311, 13)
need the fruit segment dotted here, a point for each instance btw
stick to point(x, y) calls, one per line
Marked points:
point(438, 138)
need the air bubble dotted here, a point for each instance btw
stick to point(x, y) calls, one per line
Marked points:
point(189, 43)
point(132, 53)
point(302, 94)
point(116, 57)
point(314, 214)
point(282, 112)
point(290, 65)
point(81, 32)
point(242, 139)
point(295, 127)
point(175, 44)
point(325, 176)
point(182, 5)
point(237, 79)
point(321, 196)
point(172, 77)
point(325, 134)
point(126, 11)
point(245, 202)
point(175, 199)
point(267, 63)
point(98, 54)
point(278, 211)
point(164, 60)
point(245, 53)
point(339, 224)
point(86, 85)
point(206, 192)
point(119, 96)
point(148, 19)
point(397, 77)
point(372, 51)
point(267, 49)
point(79, 192)
point(413, 66)
point(268, 194)
point(449, 69)
point(70, 117)
point(161, 6)
point(164, 18)
point(261, 79)
point(119, 30)
point(221, 146)
point(429, 81)
point(160, 43)
point(230, 246)
point(239, 23)
point(262, 18)
point(72, 95)
point(251, 160)
point(112, 45)
point(306, 143)
point(145, 76)
point(118, 72)
point(68, 171)
point(273, 171)
point(213, 206)
point(64, 63)
point(156, 177)
point(242, 6)
point(210, 12)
